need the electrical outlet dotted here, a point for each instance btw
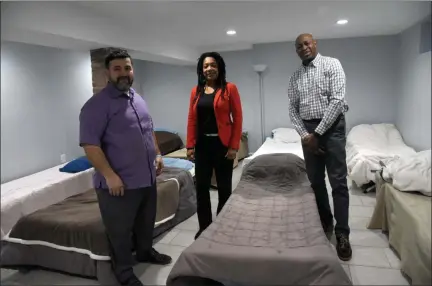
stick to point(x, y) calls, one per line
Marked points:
point(63, 158)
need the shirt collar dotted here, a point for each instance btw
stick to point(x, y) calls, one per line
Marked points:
point(317, 60)
point(315, 63)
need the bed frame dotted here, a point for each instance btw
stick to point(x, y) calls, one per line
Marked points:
point(406, 217)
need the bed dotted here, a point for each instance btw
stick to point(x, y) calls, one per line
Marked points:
point(179, 157)
point(283, 141)
point(406, 216)
point(180, 164)
point(168, 141)
point(69, 236)
point(268, 233)
point(367, 145)
point(28, 194)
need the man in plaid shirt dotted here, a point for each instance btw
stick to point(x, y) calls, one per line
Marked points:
point(317, 109)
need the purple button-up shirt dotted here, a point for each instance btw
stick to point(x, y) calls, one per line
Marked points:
point(122, 126)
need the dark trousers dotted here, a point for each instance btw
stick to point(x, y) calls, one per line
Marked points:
point(129, 222)
point(334, 160)
point(210, 154)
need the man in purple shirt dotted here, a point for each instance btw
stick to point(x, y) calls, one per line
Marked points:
point(116, 132)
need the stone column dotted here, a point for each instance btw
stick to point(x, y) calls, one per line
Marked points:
point(98, 68)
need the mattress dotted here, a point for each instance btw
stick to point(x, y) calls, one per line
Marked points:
point(74, 226)
point(268, 233)
point(34, 192)
point(367, 145)
point(407, 219)
point(179, 154)
point(271, 146)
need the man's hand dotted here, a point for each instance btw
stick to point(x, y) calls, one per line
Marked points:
point(115, 185)
point(191, 154)
point(231, 154)
point(159, 165)
point(311, 142)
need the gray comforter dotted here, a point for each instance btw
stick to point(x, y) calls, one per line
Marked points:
point(269, 233)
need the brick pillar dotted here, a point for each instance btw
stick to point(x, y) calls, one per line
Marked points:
point(98, 68)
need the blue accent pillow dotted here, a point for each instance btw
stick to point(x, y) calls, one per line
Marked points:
point(178, 163)
point(78, 165)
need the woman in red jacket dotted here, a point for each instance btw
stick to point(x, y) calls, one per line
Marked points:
point(213, 133)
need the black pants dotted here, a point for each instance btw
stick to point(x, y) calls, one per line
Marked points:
point(129, 222)
point(210, 154)
point(334, 160)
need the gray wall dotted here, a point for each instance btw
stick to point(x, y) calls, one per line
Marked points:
point(369, 64)
point(42, 91)
point(414, 101)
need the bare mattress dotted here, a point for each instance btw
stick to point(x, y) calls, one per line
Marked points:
point(268, 233)
point(69, 236)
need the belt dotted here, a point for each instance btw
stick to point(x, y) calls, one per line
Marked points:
point(319, 120)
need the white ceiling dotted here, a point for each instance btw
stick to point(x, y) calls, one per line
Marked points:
point(177, 31)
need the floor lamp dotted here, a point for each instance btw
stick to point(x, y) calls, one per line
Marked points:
point(259, 69)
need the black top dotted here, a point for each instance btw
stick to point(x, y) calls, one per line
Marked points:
point(206, 116)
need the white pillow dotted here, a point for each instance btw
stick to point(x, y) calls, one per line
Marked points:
point(286, 135)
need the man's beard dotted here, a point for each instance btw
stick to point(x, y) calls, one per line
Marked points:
point(122, 83)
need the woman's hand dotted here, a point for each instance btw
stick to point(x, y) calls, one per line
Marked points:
point(191, 154)
point(231, 154)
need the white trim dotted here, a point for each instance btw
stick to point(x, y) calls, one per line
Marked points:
point(75, 249)
point(56, 246)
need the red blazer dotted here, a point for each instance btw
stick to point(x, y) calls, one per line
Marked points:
point(230, 131)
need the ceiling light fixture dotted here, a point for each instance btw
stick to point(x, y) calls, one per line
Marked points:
point(231, 32)
point(342, 22)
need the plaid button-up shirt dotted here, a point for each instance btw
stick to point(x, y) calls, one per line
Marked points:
point(317, 91)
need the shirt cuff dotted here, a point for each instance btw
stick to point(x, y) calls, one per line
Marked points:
point(319, 130)
point(304, 134)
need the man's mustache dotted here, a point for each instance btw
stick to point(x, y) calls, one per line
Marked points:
point(124, 77)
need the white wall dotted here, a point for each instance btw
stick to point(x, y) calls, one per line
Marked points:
point(369, 64)
point(414, 101)
point(42, 92)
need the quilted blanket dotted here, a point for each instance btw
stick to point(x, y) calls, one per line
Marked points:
point(268, 233)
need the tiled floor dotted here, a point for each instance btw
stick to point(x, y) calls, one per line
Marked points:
point(373, 262)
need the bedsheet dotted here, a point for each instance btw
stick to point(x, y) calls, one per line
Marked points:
point(34, 192)
point(367, 145)
point(409, 174)
point(272, 146)
point(268, 233)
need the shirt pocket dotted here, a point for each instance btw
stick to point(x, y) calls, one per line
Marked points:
point(322, 83)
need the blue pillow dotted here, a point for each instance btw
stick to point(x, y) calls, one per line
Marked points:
point(78, 165)
point(178, 163)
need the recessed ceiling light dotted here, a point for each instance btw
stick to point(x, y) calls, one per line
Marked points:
point(342, 22)
point(231, 32)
